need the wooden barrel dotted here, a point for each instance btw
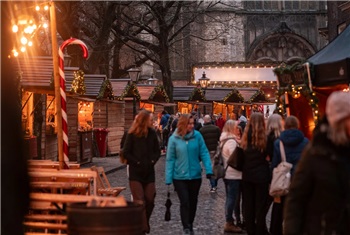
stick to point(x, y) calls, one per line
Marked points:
point(83, 220)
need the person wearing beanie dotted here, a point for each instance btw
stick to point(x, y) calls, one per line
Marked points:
point(319, 197)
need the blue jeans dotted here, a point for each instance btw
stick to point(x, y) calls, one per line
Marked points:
point(213, 183)
point(232, 191)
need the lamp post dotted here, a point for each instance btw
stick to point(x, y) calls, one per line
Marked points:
point(204, 82)
point(134, 74)
point(152, 80)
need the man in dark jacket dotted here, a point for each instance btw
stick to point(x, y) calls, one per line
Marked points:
point(211, 135)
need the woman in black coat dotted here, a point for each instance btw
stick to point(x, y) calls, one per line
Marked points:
point(142, 151)
point(319, 198)
point(255, 175)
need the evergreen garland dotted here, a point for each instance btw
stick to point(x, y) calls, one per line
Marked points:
point(295, 92)
point(259, 96)
point(130, 91)
point(197, 94)
point(159, 89)
point(78, 84)
point(106, 90)
point(234, 96)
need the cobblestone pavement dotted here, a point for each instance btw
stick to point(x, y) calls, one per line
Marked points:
point(210, 218)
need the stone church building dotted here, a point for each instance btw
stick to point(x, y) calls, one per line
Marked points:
point(256, 31)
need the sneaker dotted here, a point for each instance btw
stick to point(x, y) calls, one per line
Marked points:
point(231, 228)
point(213, 190)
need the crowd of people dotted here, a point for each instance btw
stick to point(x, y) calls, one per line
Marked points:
point(318, 199)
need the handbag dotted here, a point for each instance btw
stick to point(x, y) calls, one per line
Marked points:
point(219, 170)
point(281, 176)
point(236, 159)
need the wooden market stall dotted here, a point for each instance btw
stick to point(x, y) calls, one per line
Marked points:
point(84, 113)
point(181, 96)
point(304, 88)
point(124, 90)
point(154, 98)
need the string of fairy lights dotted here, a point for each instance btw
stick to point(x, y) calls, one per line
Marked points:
point(26, 26)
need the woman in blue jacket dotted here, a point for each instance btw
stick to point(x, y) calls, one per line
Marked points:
point(186, 149)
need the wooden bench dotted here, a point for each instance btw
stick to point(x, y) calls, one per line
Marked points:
point(50, 164)
point(103, 185)
point(75, 179)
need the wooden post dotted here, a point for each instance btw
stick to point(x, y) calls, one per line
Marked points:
point(57, 84)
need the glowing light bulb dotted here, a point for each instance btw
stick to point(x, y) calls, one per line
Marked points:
point(46, 7)
point(23, 49)
point(45, 25)
point(24, 40)
point(37, 8)
point(15, 28)
point(30, 43)
point(15, 53)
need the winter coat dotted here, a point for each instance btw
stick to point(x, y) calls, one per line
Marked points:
point(319, 199)
point(229, 146)
point(211, 135)
point(255, 168)
point(294, 143)
point(142, 153)
point(184, 155)
point(164, 120)
point(220, 122)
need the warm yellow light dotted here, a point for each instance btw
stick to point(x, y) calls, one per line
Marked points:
point(37, 8)
point(34, 26)
point(24, 40)
point(30, 43)
point(268, 95)
point(45, 25)
point(23, 49)
point(15, 53)
point(15, 28)
point(46, 7)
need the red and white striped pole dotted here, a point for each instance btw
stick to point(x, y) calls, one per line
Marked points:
point(63, 94)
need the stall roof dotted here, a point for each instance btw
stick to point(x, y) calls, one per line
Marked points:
point(216, 94)
point(182, 93)
point(92, 82)
point(332, 63)
point(37, 76)
point(145, 91)
point(36, 72)
point(119, 86)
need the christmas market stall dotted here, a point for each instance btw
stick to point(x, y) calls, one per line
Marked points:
point(130, 95)
point(35, 86)
point(329, 69)
point(181, 96)
point(198, 102)
point(305, 87)
point(154, 98)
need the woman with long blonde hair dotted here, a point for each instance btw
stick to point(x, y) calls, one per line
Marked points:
point(233, 177)
point(186, 150)
point(255, 175)
point(142, 151)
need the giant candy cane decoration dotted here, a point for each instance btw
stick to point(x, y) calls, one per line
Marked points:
point(63, 92)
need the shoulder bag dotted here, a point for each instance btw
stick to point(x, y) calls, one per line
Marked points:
point(281, 176)
point(236, 159)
